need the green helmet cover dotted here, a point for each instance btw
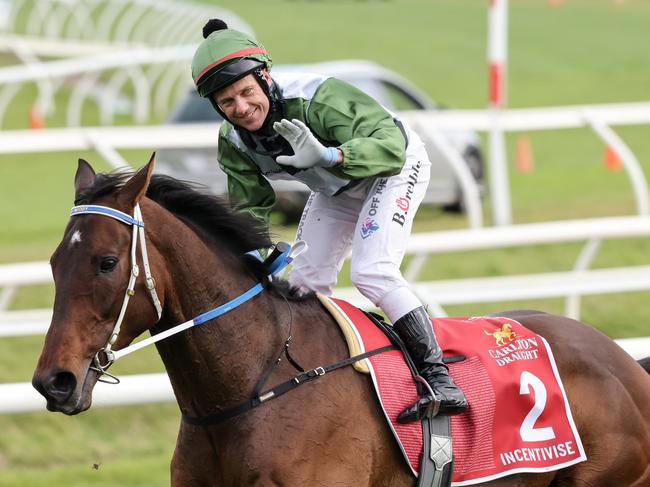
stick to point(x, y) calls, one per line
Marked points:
point(220, 49)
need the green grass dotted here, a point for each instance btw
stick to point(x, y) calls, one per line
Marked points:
point(587, 51)
point(142, 469)
point(103, 447)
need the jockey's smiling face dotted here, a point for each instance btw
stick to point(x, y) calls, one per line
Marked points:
point(244, 102)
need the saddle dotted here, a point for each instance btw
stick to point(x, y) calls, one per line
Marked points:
point(436, 461)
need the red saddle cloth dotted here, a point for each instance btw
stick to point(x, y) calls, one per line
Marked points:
point(519, 418)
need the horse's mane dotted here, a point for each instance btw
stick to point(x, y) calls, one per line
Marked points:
point(238, 231)
point(229, 229)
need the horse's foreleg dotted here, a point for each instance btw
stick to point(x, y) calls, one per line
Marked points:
point(193, 461)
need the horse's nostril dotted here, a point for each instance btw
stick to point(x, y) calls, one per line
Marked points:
point(59, 387)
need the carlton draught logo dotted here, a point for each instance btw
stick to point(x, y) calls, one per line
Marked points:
point(503, 335)
point(510, 347)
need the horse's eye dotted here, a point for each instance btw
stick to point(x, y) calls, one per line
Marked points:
point(108, 264)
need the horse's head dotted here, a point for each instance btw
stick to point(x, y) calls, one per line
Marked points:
point(92, 267)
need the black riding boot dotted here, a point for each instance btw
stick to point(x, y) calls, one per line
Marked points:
point(416, 332)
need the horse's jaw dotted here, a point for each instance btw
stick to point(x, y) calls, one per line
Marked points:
point(213, 382)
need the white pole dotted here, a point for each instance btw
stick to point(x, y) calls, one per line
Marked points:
point(497, 55)
point(133, 389)
point(629, 161)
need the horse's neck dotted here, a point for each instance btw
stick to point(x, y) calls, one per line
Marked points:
point(218, 364)
point(220, 361)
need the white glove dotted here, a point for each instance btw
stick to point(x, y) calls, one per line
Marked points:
point(308, 151)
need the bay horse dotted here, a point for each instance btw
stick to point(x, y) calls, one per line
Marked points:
point(328, 433)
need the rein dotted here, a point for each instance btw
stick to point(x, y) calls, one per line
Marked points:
point(137, 222)
point(280, 389)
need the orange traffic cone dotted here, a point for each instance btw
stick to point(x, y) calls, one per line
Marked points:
point(524, 160)
point(553, 3)
point(36, 121)
point(611, 160)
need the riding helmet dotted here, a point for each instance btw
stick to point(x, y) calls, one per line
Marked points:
point(225, 56)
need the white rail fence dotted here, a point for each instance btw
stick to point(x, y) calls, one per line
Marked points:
point(102, 78)
point(152, 388)
point(434, 124)
point(137, 389)
point(572, 284)
point(430, 124)
point(150, 22)
point(580, 280)
point(70, 24)
point(113, 45)
point(156, 388)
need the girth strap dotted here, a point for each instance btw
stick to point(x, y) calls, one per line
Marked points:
point(437, 463)
point(280, 389)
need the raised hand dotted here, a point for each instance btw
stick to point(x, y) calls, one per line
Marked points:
point(309, 152)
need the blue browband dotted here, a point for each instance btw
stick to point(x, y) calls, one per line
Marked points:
point(105, 210)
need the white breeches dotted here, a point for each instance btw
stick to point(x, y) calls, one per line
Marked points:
point(373, 221)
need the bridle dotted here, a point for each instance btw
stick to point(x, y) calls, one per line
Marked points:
point(284, 258)
point(137, 222)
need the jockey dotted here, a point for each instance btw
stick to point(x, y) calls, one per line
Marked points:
point(367, 170)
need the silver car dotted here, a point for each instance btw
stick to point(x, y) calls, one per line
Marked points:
point(387, 87)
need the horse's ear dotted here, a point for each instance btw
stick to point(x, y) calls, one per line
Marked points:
point(136, 187)
point(84, 177)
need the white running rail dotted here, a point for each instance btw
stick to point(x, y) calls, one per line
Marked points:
point(572, 284)
point(156, 388)
point(431, 124)
point(146, 43)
